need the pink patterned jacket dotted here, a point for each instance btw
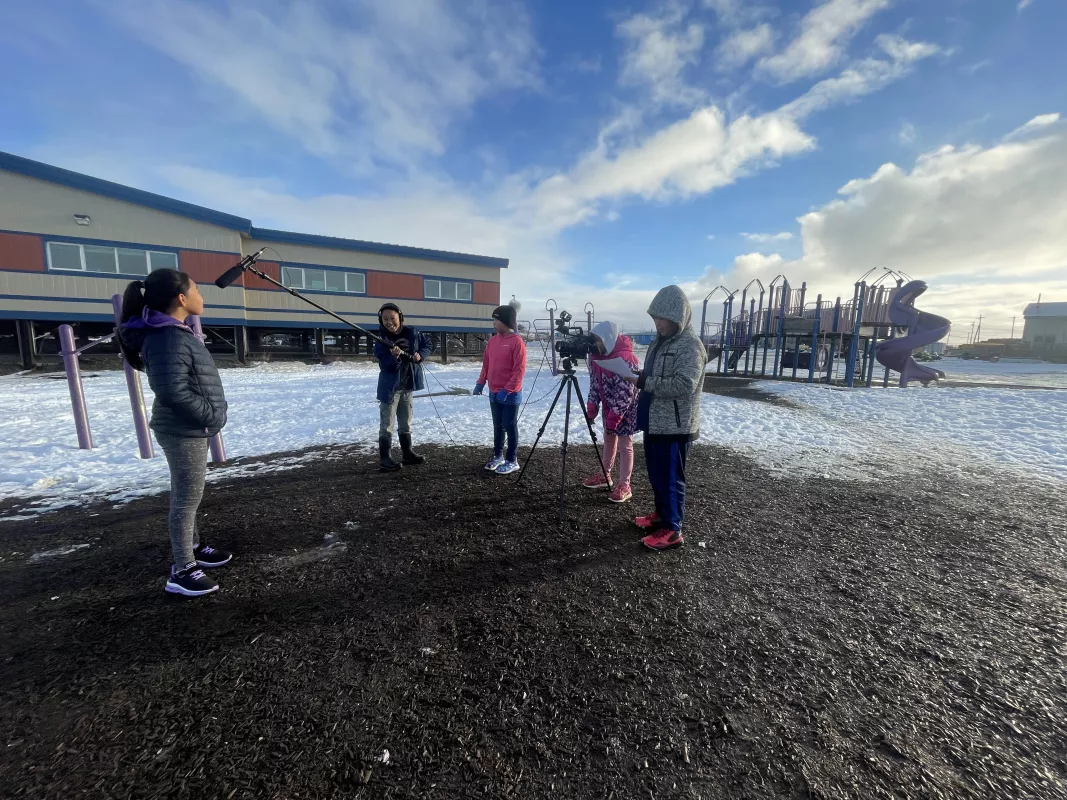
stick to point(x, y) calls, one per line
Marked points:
point(617, 396)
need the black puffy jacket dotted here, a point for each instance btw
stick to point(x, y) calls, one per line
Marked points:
point(189, 397)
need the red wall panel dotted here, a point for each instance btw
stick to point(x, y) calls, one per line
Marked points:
point(205, 267)
point(487, 293)
point(22, 252)
point(394, 286)
point(268, 268)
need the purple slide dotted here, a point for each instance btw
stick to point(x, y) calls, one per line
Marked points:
point(922, 329)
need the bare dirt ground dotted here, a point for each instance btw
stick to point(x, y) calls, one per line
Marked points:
point(437, 634)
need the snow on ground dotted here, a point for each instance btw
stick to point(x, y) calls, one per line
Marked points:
point(284, 407)
point(1019, 373)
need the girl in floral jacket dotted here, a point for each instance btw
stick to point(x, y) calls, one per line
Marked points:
point(619, 399)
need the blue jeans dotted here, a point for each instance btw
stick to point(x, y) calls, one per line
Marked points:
point(665, 459)
point(505, 421)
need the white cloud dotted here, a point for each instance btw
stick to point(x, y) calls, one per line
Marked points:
point(906, 134)
point(784, 236)
point(386, 77)
point(971, 69)
point(711, 237)
point(690, 157)
point(1023, 4)
point(755, 265)
point(825, 33)
point(863, 77)
point(659, 50)
point(744, 45)
point(970, 211)
point(985, 227)
point(1036, 125)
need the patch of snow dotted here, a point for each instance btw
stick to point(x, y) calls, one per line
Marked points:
point(285, 407)
point(62, 551)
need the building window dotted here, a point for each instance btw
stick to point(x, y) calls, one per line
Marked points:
point(113, 260)
point(356, 282)
point(446, 290)
point(324, 280)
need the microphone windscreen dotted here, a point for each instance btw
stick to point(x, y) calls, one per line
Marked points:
point(229, 276)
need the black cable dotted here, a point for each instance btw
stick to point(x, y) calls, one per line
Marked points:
point(544, 357)
point(428, 371)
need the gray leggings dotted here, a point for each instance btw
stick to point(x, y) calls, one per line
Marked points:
point(187, 459)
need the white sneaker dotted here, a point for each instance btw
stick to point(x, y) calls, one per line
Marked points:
point(507, 468)
point(494, 463)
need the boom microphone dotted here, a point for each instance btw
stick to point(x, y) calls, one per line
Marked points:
point(236, 271)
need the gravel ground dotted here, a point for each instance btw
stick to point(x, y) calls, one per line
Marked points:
point(437, 634)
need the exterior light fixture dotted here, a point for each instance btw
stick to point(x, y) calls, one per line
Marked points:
point(82, 219)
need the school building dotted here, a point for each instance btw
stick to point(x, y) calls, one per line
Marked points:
point(68, 242)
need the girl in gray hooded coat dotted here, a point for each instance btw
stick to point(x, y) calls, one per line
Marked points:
point(668, 411)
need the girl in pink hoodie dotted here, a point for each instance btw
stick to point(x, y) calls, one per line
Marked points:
point(503, 365)
point(619, 399)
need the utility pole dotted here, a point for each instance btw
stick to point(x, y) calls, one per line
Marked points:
point(1013, 327)
point(978, 333)
point(970, 336)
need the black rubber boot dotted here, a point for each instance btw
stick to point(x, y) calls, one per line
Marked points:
point(385, 444)
point(410, 456)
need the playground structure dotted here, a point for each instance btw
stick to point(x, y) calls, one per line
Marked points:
point(133, 385)
point(778, 326)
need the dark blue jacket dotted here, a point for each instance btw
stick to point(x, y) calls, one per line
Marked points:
point(409, 340)
point(189, 398)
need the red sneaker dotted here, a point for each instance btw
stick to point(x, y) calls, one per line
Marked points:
point(648, 522)
point(620, 494)
point(663, 540)
point(596, 482)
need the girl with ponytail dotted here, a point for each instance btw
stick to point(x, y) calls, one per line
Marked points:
point(189, 408)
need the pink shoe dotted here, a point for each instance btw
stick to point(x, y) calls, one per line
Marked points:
point(621, 494)
point(648, 522)
point(596, 482)
point(663, 540)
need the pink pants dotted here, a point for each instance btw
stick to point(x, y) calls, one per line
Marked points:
point(624, 446)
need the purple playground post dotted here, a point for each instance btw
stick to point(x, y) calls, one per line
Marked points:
point(218, 449)
point(74, 383)
point(133, 385)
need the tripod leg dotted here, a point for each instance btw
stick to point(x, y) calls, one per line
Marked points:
point(540, 433)
point(592, 432)
point(566, 430)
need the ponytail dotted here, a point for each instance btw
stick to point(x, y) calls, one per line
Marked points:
point(158, 292)
point(132, 308)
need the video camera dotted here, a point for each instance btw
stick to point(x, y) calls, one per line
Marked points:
point(573, 343)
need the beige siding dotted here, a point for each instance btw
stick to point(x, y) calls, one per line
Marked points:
point(35, 206)
point(304, 254)
point(30, 308)
point(51, 284)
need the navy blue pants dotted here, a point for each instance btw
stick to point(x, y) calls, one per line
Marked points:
point(505, 421)
point(665, 459)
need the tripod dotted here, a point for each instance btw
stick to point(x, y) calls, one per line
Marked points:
point(569, 382)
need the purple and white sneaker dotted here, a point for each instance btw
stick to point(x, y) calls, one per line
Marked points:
point(208, 557)
point(190, 582)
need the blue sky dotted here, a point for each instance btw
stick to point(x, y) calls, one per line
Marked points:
point(606, 148)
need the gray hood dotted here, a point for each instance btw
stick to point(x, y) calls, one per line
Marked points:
point(671, 303)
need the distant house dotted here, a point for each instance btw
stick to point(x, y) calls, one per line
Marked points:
point(1046, 324)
